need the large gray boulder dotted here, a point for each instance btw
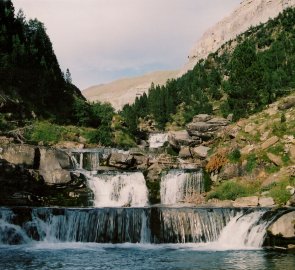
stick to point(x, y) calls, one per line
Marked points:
point(179, 138)
point(284, 226)
point(121, 160)
point(18, 154)
point(54, 165)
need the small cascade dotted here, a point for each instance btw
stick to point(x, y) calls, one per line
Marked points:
point(89, 159)
point(249, 231)
point(180, 186)
point(157, 140)
point(115, 189)
point(11, 233)
point(193, 225)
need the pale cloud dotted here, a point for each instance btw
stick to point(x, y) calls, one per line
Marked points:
point(102, 40)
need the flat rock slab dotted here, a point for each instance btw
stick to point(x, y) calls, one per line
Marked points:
point(284, 226)
point(246, 201)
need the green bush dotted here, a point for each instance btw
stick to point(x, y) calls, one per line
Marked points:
point(251, 163)
point(231, 190)
point(234, 156)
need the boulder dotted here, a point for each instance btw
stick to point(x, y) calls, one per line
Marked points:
point(18, 154)
point(54, 165)
point(201, 127)
point(200, 151)
point(121, 160)
point(246, 202)
point(275, 159)
point(220, 203)
point(268, 143)
point(287, 103)
point(247, 149)
point(266, 202)
point(284, 226)
point(249, 128)
point(202, 118)
point(154, 172)
point(185, 152)
point(218, 121)
point(179, 138)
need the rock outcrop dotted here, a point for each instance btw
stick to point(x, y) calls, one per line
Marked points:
point(40, 176)
point(249, 13)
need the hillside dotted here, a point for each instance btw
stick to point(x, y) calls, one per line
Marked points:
point(249, 13)
point(242, 77)
point(124, 91)
point(31, 81)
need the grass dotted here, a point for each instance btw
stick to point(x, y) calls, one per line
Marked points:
point(230, 190)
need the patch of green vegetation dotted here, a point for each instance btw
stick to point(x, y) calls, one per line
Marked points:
point(207, 181)
point(279, 192)
point(123, 139)
point(271, 168)
point(230, 190)
point(234, 156)
point(251, 163)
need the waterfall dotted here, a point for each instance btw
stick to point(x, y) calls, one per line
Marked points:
point(249, 231)
point(115, 189)
point(157, 140)
point(212, 228)
point(180, 186)
point(89, 159)
point(193, 225)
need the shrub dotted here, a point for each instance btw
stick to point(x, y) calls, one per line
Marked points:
point(234, 156)
point(231, 190)
point(217, 161)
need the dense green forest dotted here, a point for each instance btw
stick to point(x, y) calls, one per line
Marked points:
point(242, 77)
point(32, 85)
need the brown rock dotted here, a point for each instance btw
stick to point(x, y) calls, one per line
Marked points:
point(287, 104)
point(247, 149)
point(275, 159)
point(249, 128)
point(201, 151)
point(185, 152)
point(246, 202)
point(268, 143)
point(202, 118)
point(266, 202)
point(292, 152)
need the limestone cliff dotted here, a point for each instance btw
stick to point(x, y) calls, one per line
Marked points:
point(249, 13)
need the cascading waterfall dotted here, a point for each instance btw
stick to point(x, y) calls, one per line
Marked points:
point(89, 159)
point(218, 228)
point(115, 189)
point(180, 186)
point(157, 140)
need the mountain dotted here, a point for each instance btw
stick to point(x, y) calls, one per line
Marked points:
point(249, 13)
point(124, 91)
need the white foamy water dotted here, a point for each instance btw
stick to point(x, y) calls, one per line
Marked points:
point(157, 140)
point(119, 189)
point(178, 185)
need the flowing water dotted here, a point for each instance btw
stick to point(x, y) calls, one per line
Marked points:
point(180, 186)
point(136, 238)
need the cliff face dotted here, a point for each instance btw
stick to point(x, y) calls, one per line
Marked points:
point(249, 13)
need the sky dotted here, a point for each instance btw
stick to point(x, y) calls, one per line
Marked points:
point(103, 40)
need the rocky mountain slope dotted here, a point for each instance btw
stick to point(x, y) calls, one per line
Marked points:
point(250, 12)
point(123, 91)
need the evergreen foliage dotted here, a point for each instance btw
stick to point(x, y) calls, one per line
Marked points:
point(30, 77)
point(244, 76)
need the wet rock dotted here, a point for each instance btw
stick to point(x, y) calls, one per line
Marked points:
point(284, 226)
point(246, 202)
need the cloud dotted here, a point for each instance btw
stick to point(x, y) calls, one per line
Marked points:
point(101, 40)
